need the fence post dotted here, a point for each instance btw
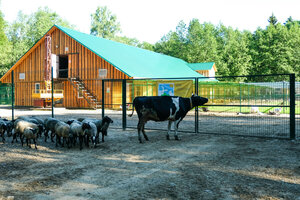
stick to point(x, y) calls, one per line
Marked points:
point(52, 91)
point(12, 96)
point(103, 98)
point(196, 108)
point(240, 97)
point(124, 107)
point(292, 107)
point(283, 97)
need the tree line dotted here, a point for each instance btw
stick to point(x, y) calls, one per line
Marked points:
point(272, 50)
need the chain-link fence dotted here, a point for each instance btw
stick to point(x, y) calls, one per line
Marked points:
point(5, 94)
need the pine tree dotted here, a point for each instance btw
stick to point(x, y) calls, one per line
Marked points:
point(5, 47)
point(272, 19)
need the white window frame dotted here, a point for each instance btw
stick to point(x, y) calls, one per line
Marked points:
point(37, 91)
point(22, 76)
point(102, 73)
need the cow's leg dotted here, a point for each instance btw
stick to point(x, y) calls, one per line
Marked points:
point(144, 133)
point(102, 138)
point(169, 130)
point(176, 123)
point(139, 127)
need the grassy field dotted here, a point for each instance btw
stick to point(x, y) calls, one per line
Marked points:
point(248, 109)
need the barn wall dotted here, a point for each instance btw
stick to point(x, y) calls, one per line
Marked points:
point(82, 63)
point(203, 72)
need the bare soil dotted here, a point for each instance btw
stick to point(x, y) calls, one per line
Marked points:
point(199, 166)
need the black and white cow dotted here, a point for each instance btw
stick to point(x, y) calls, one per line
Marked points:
point(162, 108)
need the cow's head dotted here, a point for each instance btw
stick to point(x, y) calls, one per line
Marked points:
point(198, 101)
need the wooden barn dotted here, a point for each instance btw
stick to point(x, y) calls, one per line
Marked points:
point(80, 61)
point(207, 69)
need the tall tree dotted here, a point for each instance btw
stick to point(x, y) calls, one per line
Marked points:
point(5, 47)
point(174, 43)
point(272, 51)
point(41, 21)
point(202, 42)
point(28, 29)
point(234, 53)
point(104, 23)
point(18, 35)
point(272, 19)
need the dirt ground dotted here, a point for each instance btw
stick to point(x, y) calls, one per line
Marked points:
point(199, 166)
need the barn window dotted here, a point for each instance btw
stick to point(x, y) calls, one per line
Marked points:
point(102, 73)
point(21, 76)
point(37, 87)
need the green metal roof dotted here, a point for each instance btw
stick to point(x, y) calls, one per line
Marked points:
point(134, 62)
point(201, 66)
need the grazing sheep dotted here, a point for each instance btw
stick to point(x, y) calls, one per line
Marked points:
point(19, 127)
point(30, 133)
point(92, 133)
point(50, 126)
point(81, 119)
point(63, 130)
point(36, 121)
point(102, 125)
point(3, 128)
point(70, 121)
point(78, 131)
point(9, 126)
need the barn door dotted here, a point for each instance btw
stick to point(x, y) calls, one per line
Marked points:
point(55, 65)
point(63, 64)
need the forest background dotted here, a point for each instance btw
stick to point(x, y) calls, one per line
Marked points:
point(272, 50)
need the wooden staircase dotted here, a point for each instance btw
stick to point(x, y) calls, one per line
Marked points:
point(78, 85)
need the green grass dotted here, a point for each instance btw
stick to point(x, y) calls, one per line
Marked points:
point(247, 109)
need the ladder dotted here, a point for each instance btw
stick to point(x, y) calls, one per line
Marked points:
point(79, 86)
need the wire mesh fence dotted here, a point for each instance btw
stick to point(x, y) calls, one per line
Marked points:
point(247, 108)
point(255, 108)
point(260, 109)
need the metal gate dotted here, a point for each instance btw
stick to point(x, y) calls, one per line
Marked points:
point(252, 107)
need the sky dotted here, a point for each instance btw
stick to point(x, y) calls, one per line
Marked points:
point(150, 20)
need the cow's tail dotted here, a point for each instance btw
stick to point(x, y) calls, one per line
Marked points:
point(130, 115)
